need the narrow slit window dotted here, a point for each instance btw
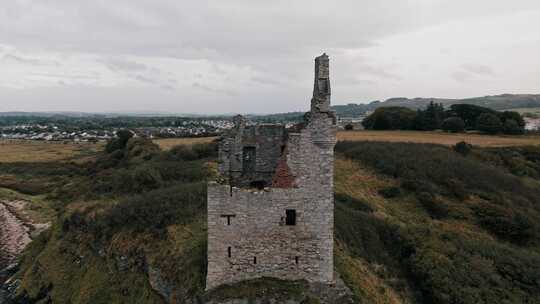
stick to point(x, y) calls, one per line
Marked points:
point(296, 260)
point(290, 219)
point(229, 252)
point(255, 260)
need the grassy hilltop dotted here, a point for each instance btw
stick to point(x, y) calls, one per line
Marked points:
point(415, 223)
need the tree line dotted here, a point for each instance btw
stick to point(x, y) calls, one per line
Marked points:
point(458, 118)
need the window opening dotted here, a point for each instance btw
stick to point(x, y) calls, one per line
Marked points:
point(290, 218)
point(228, 216)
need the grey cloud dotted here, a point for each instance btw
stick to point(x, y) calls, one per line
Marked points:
point(29, 61)
point(124, 65)
point(478, 69)
point(209, 89)
point(470, 71)
point(273, 41)
point(461, 76)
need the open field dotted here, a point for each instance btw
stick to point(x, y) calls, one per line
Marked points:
point(398, 136)
point(168, 143)
point(440, 138)
point(41, 151)
point(527, 110)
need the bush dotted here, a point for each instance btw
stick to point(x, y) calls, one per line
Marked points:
point(182, 152)
point(432, 167)
point(390, 192)
point(506, 223)
point(349, 127)
point(206, 150)
point(352, 203)
point(435, 208)
point(489, 123)
point(463, 148)
point(453, 124)
point(122, 138)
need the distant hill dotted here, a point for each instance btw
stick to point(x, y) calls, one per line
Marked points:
point(498, 102)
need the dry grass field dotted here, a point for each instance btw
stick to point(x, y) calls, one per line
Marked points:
point(440, 138)
point(41, 151)
point(398, 136)
point(168, 143)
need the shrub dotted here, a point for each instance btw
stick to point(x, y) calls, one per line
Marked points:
point(506, 223)
point(365, 235)
point(206, 150)
point(489, 123)
point(457, 189)
point(432, 166)
point(352, 203)
point(390, 192)
point(453, 124)
point(182, 152)
point(435, 208)
point(122, 138)
point(463, 148)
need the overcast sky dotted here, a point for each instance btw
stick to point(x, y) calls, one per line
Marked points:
point(254, 56)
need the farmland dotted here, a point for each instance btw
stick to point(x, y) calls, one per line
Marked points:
point(446, 139)
point(42, 151)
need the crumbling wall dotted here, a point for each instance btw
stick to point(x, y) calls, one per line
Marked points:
point(248, 235)
point(268, 143)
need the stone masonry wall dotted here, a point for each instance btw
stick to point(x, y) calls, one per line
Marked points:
point(267, 141)
point(257, 229)
point(247, 235)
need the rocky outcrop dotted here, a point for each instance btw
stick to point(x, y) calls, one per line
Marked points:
point(16, 232)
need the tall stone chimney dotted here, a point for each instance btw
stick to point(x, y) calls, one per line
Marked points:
point(321, 89)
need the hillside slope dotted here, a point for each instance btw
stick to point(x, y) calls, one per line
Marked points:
point(414, 224)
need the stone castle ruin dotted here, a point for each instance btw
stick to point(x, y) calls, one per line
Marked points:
point(273, 213)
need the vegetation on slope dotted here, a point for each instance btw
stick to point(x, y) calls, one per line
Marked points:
point(415, 223)
point(460, 230)
point(132, 219)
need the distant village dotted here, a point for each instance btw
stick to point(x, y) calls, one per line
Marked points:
point(186, 128)
point(51, 132)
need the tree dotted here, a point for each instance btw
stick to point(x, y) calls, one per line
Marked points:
point(489, 123)
point(120, 142)
point(430, 118)
point(506, 115)
point(390, 118)
point(453, 124)
point(469, 113)
point(513, 122)
point(512, 127)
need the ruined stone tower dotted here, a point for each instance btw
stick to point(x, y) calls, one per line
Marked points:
point(272, 213)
